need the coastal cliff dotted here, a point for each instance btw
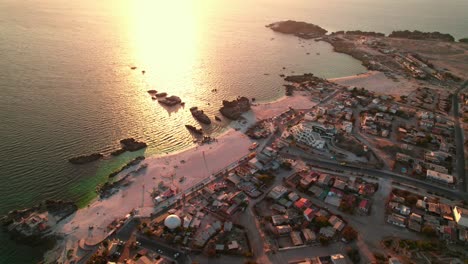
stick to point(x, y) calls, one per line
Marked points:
point(234, 109)
point(299, 29)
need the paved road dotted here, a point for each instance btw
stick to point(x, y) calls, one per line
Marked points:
point(460, 157)
point(166, 250)
point(380, 173)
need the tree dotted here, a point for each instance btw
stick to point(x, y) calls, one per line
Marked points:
point(349, 233)
point(321, 221)
point(428, 231)
point(324, 241)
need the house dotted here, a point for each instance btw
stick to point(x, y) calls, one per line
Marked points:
point(315, 190)
point(279, 220)
point(397, 220)
point(277, 192)
point(233, 245)
point(293, 196)
point(339, 184)
point(364, 207)
point(336, 223)
point(296, 238)
point(327, 231)
point(302, 203)
point(227, 226)
point(309, 235)
point(306, 181)
point(283, 229)
point(324, 179)
point(309, 214)
point(278, 208)
point(461, 216)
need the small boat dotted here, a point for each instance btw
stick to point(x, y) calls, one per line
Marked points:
point(143, 72)
point(133, 68)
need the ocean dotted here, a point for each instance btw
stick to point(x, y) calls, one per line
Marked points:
point(66, 87)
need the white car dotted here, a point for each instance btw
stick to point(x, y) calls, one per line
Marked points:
point(176, 255)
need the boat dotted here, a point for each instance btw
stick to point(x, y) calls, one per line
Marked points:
point(194, 129)
point(133, 68)
point(143, 72)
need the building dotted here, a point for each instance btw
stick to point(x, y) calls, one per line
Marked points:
point(396, 220)
point(283, 229)
point(277, 192)
point(461, 216)
point(364, 207)
point(338, 259)
point(305, 134)
point(439, 177)
point(296, 238)
point(309, 214)
point(309, 235)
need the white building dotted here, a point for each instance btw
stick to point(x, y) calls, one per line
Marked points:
point(461, 216)
point(304, 134)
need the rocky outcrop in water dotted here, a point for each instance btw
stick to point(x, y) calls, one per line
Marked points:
point(299, 29)
point(200, 115)
point(133, 162)
point(422, 35)
point(195, 130)
point(32, 226)
point(86, 158)
point(234, 109)
point(131, 144)
point(170, 101)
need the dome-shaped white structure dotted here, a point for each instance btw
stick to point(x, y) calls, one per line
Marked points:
point(172, 221)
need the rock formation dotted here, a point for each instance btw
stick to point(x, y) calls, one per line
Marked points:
point(234, 109)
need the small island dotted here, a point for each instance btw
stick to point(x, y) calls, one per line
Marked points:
point(300, 29)
point(83, 159)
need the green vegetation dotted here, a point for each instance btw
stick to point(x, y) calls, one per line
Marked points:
point(349, 233)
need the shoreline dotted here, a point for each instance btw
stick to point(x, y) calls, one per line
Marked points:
point(204, 160)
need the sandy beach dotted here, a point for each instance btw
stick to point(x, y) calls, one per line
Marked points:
point(229, 148)
point(379, 83)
